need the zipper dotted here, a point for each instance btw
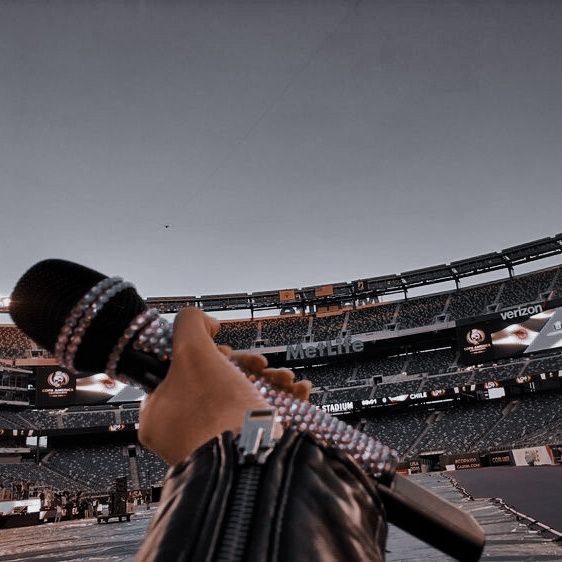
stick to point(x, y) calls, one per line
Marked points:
point(239, 520)
point(256, 442)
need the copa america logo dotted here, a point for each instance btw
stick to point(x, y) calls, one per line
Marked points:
point(58, 379)
point(475, 336)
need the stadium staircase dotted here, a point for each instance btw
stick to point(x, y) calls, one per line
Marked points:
point(396, 316)
point(455, 363)
point(420, 387)
point(446, 305)
point(497, 301)
point(345, 321)
point(46, 458)
point(552, 285)
point(431, 419)
point(479, 440)
point(405, 365)
point(308, 335)
point(26, 423)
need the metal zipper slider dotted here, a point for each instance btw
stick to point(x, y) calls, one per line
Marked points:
point(259, 435)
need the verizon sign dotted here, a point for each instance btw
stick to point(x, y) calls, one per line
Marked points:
point(520, 312)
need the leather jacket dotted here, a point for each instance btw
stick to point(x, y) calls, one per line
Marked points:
point(306, 503)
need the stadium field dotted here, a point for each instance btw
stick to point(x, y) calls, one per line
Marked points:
point(71, 541)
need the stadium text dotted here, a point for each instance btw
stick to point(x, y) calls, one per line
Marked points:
point(324, 348)
point(338, 408)
point(521, 311)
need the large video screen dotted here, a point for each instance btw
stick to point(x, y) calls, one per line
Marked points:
point(55, 388)
point(100, 389)
point(498, 336)
point(58, 389)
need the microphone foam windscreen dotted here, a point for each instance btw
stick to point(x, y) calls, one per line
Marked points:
point(47, 292)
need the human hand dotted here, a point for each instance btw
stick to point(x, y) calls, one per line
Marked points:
point(206, 390)
point(254, 366)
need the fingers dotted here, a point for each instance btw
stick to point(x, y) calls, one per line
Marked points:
point(250, 363)
point(281, 378)
point(301, 390)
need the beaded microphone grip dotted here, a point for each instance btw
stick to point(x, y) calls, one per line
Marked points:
point(82, 310)
point(376, 459)
point(139, 325)
point(81, 317)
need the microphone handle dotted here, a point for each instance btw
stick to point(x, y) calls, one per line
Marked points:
point(145, 369)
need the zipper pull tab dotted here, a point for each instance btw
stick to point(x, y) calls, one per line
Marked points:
point(259, 436)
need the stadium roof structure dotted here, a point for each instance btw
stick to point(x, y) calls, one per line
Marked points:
point(349, 293)
point(368, 288)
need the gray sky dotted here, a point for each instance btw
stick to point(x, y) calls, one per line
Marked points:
point(286, 143)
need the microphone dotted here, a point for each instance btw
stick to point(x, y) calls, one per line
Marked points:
point(93, 323)
point(95, 312)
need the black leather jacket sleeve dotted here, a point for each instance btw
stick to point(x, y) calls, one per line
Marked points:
point(307, 503)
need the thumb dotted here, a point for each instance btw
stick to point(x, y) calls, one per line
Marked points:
point(193, 332)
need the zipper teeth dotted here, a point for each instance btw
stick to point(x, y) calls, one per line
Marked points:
point(240, 514)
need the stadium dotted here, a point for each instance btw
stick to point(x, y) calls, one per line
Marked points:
point(363, 196)
point(466, 379)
